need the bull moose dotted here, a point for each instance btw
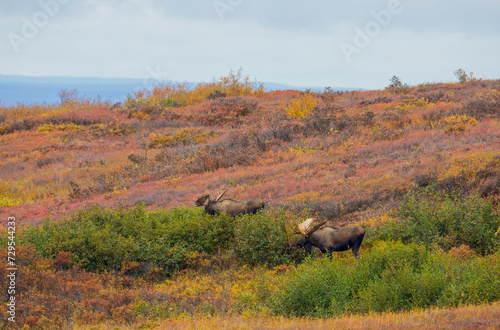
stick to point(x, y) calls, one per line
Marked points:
point(229, 206)
point(329, 239)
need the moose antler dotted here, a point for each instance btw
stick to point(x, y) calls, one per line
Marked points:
point(220, 196)
point(310, 226)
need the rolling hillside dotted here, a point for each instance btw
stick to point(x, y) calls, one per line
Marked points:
point(122, 243)
point(350, 158)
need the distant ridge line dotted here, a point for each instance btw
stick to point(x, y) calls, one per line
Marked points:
point(32, 89)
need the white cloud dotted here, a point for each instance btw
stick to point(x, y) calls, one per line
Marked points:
point(293, 42)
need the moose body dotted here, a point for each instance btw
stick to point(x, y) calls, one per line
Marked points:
point(329, 239)
point(229, 206)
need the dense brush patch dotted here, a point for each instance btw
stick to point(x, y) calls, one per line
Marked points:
point(391, 277)
point(103, 239)
point(445, 221)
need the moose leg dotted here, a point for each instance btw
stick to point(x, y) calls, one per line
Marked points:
point(356, 245)
point(330, 252)
point(355, 252)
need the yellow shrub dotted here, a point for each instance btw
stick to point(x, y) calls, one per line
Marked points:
point(160, 141)
point(299, 150)
point(7, 202)
point(55, 112)
point(193, 135)
point(235, 84)
point(301, 107)
point(470, 166)
point(185, 137)
point(459, 124)
point(413, 103)
point(63, 127)
point(46, 128)
point(306, 197)
point(4, 128)
point(139, 115)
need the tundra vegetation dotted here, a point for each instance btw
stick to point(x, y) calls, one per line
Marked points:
point(108, 236)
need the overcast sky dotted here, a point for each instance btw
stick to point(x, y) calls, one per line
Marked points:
point(356, 43)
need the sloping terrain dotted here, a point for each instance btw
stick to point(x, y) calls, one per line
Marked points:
point(345, 156)
point(122, 244)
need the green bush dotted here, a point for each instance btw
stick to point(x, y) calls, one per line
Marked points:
point(446, 221)
point(263, 239)
point(401, 288)
point(89, 235)
point(101, 239)
point(319, 288)
point(391, 277)
point(323, 288)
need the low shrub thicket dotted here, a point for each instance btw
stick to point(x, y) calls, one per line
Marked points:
point(264, 239)
point(102, 240)
point(391, 277)
point(447, 221)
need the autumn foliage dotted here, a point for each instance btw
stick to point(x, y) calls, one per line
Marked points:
point(103, 194)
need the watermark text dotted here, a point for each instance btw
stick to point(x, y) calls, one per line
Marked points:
point(31, 27)
point(372, 29)
point(224, 6)
point(11, 270)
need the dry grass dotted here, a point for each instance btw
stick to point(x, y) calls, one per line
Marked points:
point(467, 317)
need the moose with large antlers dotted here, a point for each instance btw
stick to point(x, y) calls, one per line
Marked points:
point(329, 239)
point(229, 206)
